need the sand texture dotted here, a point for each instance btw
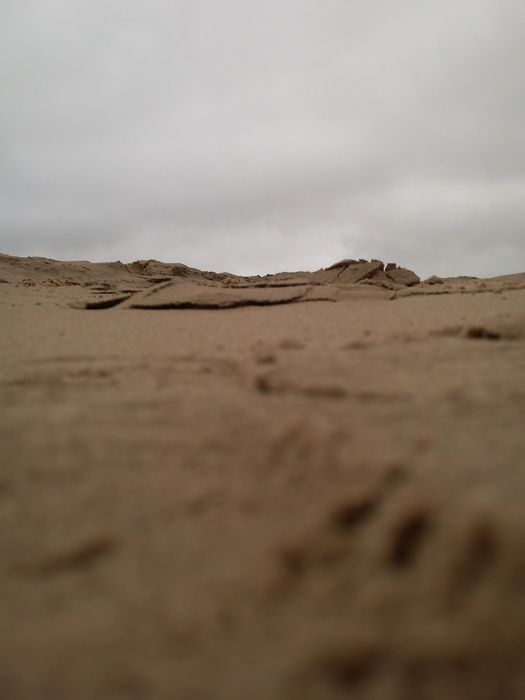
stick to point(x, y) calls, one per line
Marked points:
point(302, 486)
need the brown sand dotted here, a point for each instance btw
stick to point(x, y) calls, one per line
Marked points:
point(252, 497)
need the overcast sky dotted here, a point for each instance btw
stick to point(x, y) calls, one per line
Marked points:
point(259, 136)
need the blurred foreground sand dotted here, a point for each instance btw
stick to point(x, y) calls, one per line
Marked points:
point(293, 501)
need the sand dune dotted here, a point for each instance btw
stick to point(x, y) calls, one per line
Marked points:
point(211, 488)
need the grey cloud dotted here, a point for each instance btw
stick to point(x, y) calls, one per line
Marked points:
point(250, 136)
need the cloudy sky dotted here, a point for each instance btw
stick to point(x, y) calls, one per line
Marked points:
point(260, 136)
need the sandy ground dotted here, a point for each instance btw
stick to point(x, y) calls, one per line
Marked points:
point(294, 501)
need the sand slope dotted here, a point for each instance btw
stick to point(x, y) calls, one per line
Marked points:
point(270, 500)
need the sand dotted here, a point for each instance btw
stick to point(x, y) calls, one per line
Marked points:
point(298, 486)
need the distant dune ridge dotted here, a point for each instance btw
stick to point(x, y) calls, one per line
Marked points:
point(149, 284)
point(211, 489)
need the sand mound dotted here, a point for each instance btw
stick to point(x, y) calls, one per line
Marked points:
point(149, 284)
point(57, 273)
point(181, 287)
